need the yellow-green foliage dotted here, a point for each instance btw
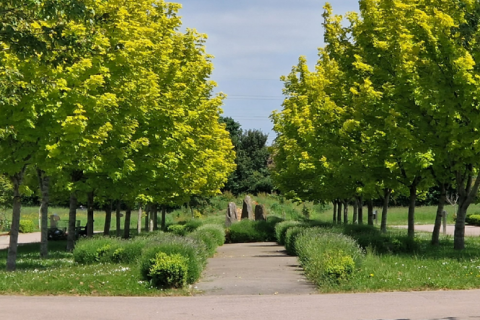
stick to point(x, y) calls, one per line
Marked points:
point(26, 226)
point(168, 270)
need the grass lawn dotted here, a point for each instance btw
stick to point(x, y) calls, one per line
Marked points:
point(59, 275)
point(430, 268)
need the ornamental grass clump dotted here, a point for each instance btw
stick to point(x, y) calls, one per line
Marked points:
point(327, 258)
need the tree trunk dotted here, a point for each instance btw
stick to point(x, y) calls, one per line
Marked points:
point(345, 211)
point(355, 211)
point(147, 218)
point(164, 213)
point(17, 206)
point(386, 200)
point(155, 216)
point(139, 221)
point(334, 211)
point(411, 210)
point(339, 212)
point(44, 182)
point(118, 219)
point(438, 218)
point(90, 199)
point(150, 219)
point(108, 217)
point(467, 191)
point(126, 228)
point(360, 210)
point(370, 212)
point(72, 218)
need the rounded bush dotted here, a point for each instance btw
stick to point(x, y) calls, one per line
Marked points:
point(281, 229)
point(249, 231)
point(216, 231)
point(93, 250)
point(193, 250)
point(168, 271)
point(26, 226)
point(178, 229)
point(291, 237)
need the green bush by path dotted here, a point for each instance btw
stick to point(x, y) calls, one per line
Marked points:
point(178, 229)
point(216, 232)
point(291, 238)
point(281, 229)
point(168, 271)
point(194, 250)
point(327, 257)
point(252, 231)
point(205, 237)
point(26, 226)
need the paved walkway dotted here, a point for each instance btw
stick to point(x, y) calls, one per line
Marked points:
point(253, 269)
point(22, 239)
point(469, 230)
point(437, 305)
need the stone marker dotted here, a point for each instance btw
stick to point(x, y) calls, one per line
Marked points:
point(231, 216)
point(260, 212)
point(247, 211)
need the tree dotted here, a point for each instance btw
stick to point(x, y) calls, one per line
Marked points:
point(252, 155)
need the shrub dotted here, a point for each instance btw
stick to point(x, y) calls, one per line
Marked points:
point(177, 229)
point(207, 239)
point(473, 219)
point(193, 250)
point(252, 231)
point(291, 237)
point(168, 271)
point(128, 251)
point(26, 226)
point(88, 251)
point(281, 228)
point(216, 231)
point(192, 225)
point(327, 257)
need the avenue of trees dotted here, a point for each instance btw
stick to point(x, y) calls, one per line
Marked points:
point(107, 100)
point(392, 107)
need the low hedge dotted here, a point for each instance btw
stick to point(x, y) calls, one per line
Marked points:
point(281, 229)
point(291, 238)
point(327, 258)
point(252, 231)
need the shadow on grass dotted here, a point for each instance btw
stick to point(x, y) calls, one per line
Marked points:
point(28, 256)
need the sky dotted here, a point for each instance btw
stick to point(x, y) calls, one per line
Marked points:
point(254, 43)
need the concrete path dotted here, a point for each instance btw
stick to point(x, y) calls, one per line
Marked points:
point(469, 230)
point(253, 269)
point(22, 239)
point(437, 305)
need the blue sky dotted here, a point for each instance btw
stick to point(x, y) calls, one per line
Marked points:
point(254, 43)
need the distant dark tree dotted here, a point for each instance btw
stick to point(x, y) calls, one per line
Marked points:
point(251, 175)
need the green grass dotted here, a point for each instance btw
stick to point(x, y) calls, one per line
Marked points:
point(59, 275)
